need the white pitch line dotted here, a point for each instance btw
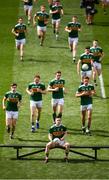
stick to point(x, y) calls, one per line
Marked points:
point(103, 94)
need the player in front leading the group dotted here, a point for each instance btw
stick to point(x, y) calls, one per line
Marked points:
point(57, 134)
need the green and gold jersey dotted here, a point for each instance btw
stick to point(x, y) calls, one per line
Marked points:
point(57, 8)
point(86, 59)
point(85, 100)
point(29, 3)
point(12, 99)
point(57, 131)
point(42, 17)
point(36, 96)
point(97, 53)
point(20, 29)
point(60, 84)
point(74, 29)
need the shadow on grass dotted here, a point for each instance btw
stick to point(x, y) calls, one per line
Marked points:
point(102, 133)
point(58, 160)
point(31, 140)
point(39, 60)
point(57, 47)
point(104, 24)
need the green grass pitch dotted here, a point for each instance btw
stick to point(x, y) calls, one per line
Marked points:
point(54, 56)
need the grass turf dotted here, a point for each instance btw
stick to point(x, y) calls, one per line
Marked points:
point(46, 60)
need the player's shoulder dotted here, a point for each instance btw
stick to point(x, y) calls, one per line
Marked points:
point(8, 92)
point(19, 93)
point(82, 54)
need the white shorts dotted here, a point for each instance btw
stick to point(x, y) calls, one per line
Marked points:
point(19, 42)
point(43, 29)
point(12, 115)
point(27, 7)
point(97, 65)
point(55, 102)
point(58, 141)
point(86, 73)
point(56, 21)
point(86, 107)
point(72, 40)
point(35, 104)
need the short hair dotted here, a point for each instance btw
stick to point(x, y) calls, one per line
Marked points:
point(37, 76)
point(74, 16)
point(42, 6)
point(87, 47)
point(58, 72)
point(86, 77)
point(14, 84)
point(95, 40)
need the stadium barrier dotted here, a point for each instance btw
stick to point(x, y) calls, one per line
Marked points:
point(42, 149)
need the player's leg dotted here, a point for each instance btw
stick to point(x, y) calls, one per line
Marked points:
point(89, 118)
point(13, 128)
point(94, 74)
point(17, 42)
point(57, 28)
point(22, 44)
point(67, 148)
point(26, 10)
point(30, 14)
point(8, 121)
point(39, 109)
point(47, 149)
point(70, 43)
point(83, 118)
point(60, 107)
point(43, 37)
point(75, 42)
point(89, 114)
point(54, 26)
point(54, 108)
point(32, 115)
point(13, 123)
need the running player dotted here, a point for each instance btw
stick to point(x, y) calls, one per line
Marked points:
point(85, 58)
point(19, 32)
point(35, 90)
point(56, 10)
point(28, 6)
point(11, 103)
point(98, 55)
point(85, 92)
point(73, 28)
point(56, 86)
point(42, 20)
point(57, 134)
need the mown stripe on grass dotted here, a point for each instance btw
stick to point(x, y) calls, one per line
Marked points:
point(8, 14)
